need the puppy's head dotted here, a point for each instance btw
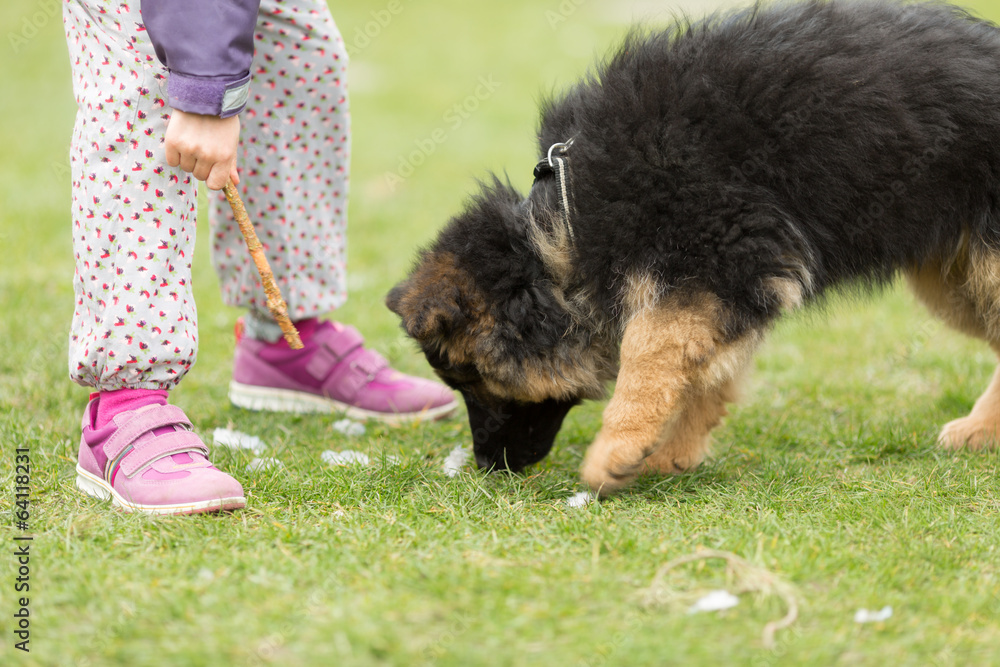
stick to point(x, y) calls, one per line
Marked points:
point(486, 315)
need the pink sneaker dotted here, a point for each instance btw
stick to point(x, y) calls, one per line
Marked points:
point(148, 460)
point(333, 373)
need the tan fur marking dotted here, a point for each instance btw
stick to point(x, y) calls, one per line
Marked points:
point(539, 380)
point(570, 371)
point(687, 444)
point(730, 361)
point(983, 287)
point(668, 354)
point(789, 292)
point(432, 296)
point(942, 288)
point(981, 428)
point(555, 248)
point(640, 294)
point(431, 299)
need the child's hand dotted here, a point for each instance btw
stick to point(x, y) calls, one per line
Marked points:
point(204, 146)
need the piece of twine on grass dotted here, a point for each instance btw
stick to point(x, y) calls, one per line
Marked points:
point(746, 578)
point(275, 302)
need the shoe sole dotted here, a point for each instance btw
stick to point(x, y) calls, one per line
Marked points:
point(96, 487)
point(270, 399)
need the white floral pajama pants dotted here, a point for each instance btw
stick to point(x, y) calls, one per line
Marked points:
point(134, 323)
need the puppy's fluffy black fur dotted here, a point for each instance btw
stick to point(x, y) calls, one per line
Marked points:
point(855, 138)
point(809, 144)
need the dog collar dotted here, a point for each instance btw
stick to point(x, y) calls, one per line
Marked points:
point(556, 164)
point(547, 165)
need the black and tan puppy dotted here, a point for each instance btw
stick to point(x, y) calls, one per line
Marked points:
point(700, 183)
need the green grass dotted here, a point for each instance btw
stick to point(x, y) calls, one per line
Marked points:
point(827, 474)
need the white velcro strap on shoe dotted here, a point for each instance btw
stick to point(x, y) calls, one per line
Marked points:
point(141, 421)
point(149, 452)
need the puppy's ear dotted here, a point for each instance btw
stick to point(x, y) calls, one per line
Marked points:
point(394, 299)
point(428, 311)
point(429, 301)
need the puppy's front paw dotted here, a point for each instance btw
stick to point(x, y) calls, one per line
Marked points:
point(673, 458)
point(609, 466)
point(970, 432)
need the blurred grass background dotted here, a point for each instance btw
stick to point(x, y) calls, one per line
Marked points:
point(827, 473)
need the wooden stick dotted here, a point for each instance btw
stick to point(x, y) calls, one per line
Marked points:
point(275, 302)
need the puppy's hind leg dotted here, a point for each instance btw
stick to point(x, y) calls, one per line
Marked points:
point(965, 293)
point(981, 428)
point(667, 356)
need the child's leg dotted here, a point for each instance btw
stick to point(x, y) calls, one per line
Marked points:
point(294, 162)
point(134, 325)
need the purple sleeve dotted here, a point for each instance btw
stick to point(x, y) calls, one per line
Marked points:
point(208, 47)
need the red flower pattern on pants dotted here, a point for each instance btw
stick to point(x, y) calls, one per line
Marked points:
point(135, 323)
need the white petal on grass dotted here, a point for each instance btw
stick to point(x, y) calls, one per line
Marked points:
point(714, 601)
point(265, 463)
point(349, 428)
point(456, 460)
point(224, 437)
point(349, 457)
point(345, 458)
point(866, 616)
point(580, 499)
